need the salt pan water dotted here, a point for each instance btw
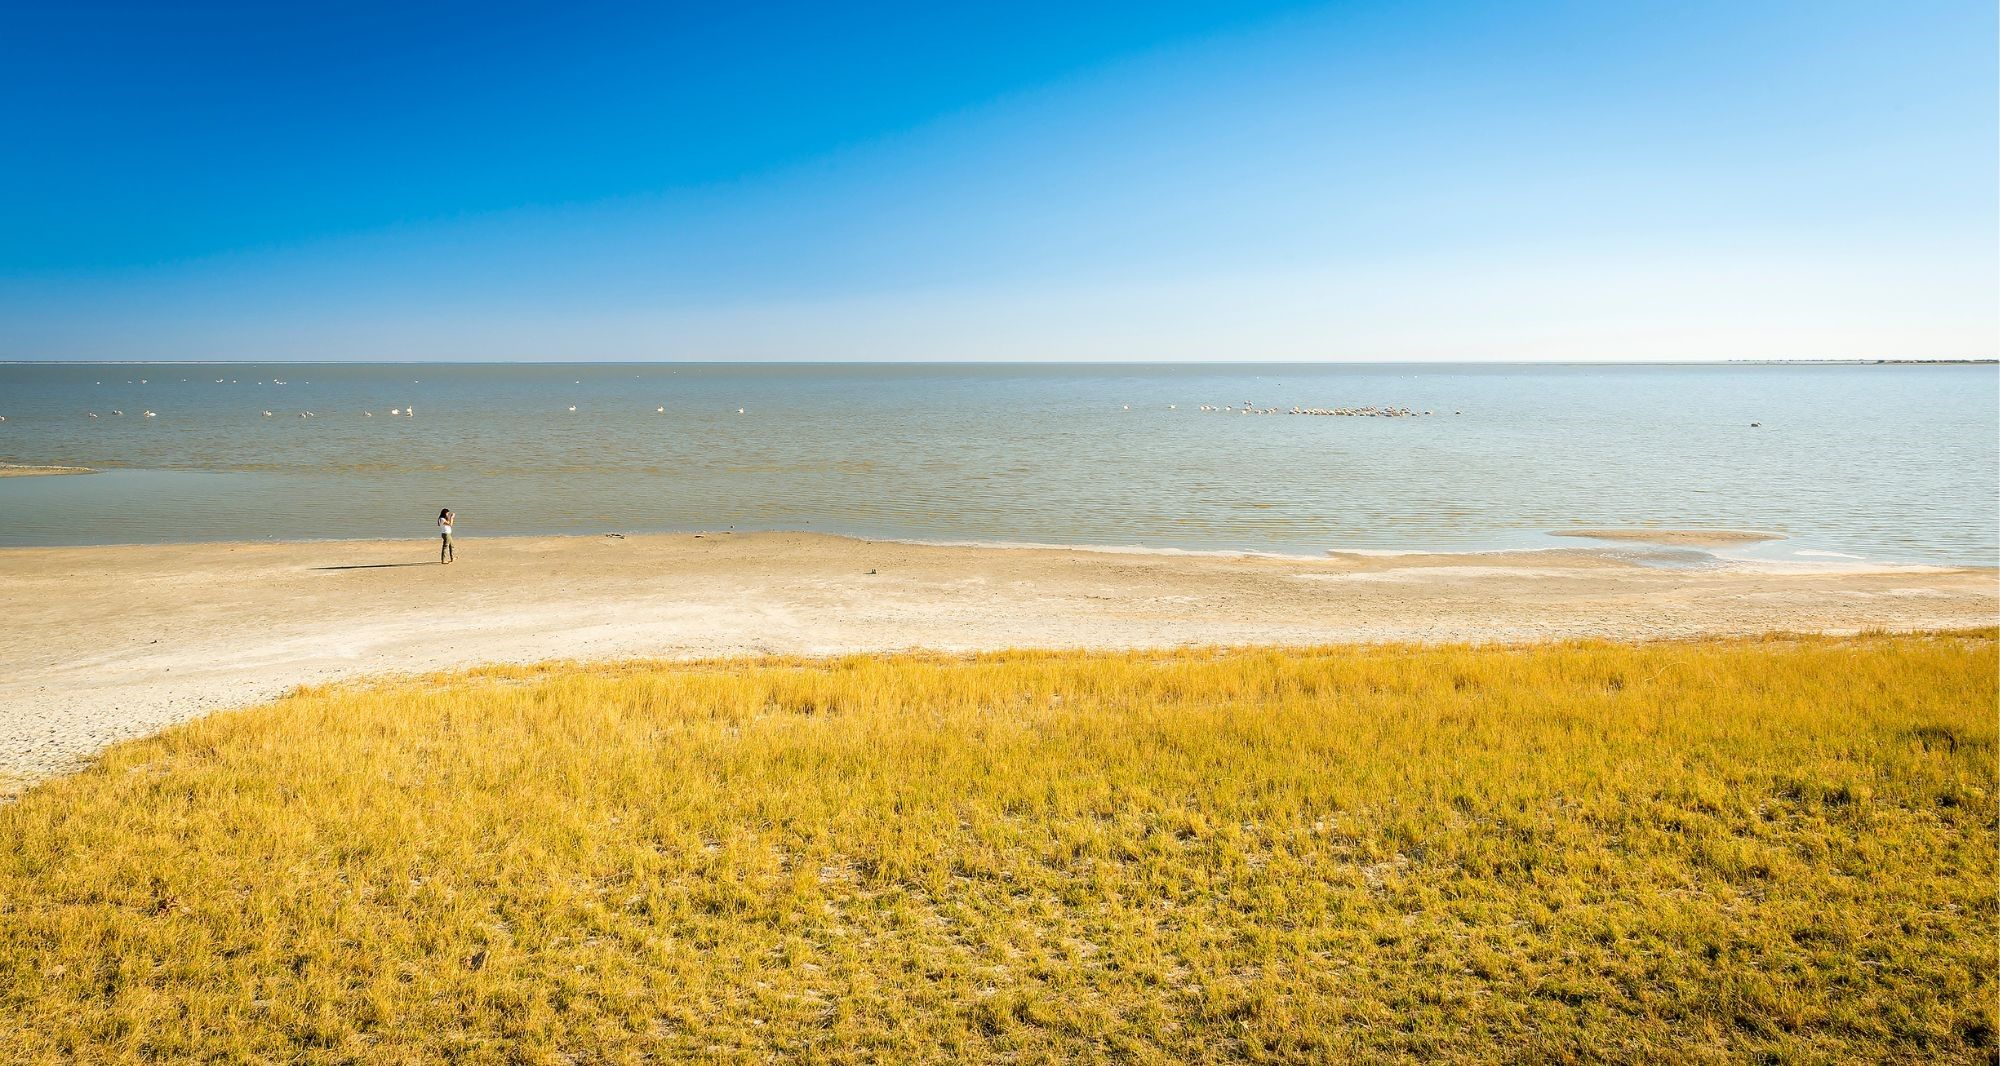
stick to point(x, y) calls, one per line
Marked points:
point(1879, 462)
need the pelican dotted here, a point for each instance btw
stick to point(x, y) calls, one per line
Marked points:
point(739, 410)
point(572, 408)
point(92, 414)
point(120, 414)
point(395, 410)
point(660, 409)
point(152, 414)
point(409, 412)
point(1170, 407)
point(371, 414)
point(267, 414)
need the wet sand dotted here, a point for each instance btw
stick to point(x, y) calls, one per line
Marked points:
point(103, 643)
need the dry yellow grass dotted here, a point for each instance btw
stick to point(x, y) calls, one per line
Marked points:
point(1701, 851)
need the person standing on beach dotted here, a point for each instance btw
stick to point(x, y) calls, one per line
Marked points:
point(446, 553)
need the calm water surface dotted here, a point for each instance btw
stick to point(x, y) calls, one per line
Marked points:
point(1880, 462)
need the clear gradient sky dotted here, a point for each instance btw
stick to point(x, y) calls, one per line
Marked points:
point(1241, 179)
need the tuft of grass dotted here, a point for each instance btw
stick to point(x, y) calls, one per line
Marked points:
point(1682, 852)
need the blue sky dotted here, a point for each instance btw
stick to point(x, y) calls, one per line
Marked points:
point(1246, 180)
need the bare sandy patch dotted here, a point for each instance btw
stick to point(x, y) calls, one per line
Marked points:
point(104, 643)
point(1452, 573)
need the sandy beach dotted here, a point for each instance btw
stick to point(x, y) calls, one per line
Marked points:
point(105, 643)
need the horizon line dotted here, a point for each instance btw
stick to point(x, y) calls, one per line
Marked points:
point(1851, 361)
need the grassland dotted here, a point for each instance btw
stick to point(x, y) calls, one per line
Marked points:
point(1781, 849)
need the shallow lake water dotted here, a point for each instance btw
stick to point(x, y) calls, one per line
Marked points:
point(1876, 462)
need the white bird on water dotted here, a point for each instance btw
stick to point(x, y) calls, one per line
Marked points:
point(267, 414)
point(572, 407)
point(739, 410)
point(660, 410)
point(152, 414)
point(395, 410)
point(92, 414)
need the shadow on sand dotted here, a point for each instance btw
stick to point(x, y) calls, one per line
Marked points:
point(370, 566)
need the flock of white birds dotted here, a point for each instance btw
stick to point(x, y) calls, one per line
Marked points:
point(1246, 408)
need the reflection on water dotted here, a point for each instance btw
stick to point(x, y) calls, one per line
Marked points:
point(1889, 462)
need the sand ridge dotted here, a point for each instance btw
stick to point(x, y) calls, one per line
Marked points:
point(18, 470)
point(103, 643)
